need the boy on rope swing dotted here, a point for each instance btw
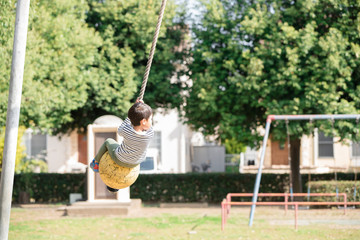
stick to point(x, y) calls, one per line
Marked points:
point(137, 132)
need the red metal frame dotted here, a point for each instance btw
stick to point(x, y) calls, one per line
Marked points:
point(271, 118)
point(227, 203)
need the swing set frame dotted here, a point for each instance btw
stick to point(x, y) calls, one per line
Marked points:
point(270, 118)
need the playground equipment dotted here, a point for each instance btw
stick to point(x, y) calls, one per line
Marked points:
point(227, 202)
point(271, 118)
point(116, 176)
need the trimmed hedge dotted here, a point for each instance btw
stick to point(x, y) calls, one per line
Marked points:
point(213, 187)
point(189, 187)
point(49, 187)
point(347, 187)
point(200, 187)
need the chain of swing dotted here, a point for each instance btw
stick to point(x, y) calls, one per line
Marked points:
point(356, 154)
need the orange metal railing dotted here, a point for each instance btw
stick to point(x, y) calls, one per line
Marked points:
point(227, 203)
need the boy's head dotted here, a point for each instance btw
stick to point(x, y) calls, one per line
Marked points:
point(138, 112)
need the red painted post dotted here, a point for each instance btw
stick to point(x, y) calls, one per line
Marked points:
point(345, 203)
point(222, 215)
point(286, 201)
point(226, 204)
point(296, 216)
point(228, 199)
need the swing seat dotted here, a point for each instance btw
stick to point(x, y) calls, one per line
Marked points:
point(116, 176)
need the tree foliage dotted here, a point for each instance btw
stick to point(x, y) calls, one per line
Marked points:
point(7, 19)
point(85, 59)
point(255, 58)
point(131, 25)
point(61, 51)
point(20, 148)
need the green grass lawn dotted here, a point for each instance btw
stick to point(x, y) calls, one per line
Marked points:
point(268, 224)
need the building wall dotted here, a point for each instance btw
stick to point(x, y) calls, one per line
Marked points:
point(307, 151)
point(175, 136)
point(57, 152)
point(62, 154)
point(341, 157)
point(309, 158)
point(267, 159)
point(177, 141)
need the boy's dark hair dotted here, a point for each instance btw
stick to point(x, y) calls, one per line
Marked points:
point(138, 112)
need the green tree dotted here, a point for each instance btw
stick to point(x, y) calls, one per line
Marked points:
point(61, 52)
point(86, 59)
point(232, 146)
point(20, 148)
point(255, 58)
point(7, 20)
point(131, 25)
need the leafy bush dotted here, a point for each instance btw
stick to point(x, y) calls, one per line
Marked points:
point(200, 187)
point(20, 148)
point(189, 187)
point(213, 187)
point(347, 187)
point(49, 187)
point(31, 165)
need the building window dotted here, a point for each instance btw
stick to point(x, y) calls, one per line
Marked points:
point(35, 145)
point(156, 142)
point(148, 164)
point(326, 145)
point(355, 149)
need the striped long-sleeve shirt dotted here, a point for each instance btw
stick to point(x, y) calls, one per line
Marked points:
point(132, 150)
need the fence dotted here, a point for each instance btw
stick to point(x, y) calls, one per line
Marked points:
point(227, 203)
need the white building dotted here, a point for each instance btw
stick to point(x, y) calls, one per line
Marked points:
point(318, 154)
point(170, 147)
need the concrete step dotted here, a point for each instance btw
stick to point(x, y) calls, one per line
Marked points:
point(102, 208)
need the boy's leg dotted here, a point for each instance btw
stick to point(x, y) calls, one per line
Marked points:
point(109, 145)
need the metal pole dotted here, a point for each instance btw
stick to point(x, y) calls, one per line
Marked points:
point(13, 113)
point(258, 176)
point(267, 129)
point(314, 116)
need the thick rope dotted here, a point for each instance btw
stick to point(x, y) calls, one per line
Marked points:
point(152, 50)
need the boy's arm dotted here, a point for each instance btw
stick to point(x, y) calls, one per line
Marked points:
point(150, 132)
point(123, 124)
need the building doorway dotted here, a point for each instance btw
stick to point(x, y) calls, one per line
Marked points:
point(279, 153)
point(100, 188)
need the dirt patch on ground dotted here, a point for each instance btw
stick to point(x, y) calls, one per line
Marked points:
point(273, 215)
point(39, 211)
point(35, 212)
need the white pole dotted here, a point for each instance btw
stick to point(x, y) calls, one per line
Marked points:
point(13, 113)
point(258, 176)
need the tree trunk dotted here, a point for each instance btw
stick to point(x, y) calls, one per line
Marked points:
point(295, 165)
point(24, 197)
